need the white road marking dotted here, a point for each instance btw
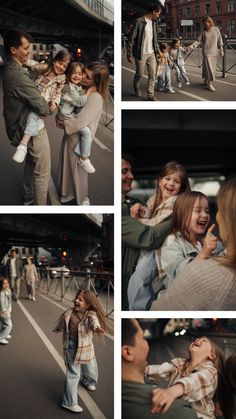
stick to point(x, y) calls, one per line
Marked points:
point(87, 400)
point(101, 145)
point(65, 308)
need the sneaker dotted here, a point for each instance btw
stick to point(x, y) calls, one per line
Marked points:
point(30, 297)
point(171, 91)
point(87, 165)
point(211, 88)
point(21, 151)
point(86, 201)
point(187, 83)
point(152, 98)
point(4, 341)
point(66, 198)
point(180, 85)
point(76, 408)
point(8, 337)
point(33, 298)
point(91, 387)
point(137, 91)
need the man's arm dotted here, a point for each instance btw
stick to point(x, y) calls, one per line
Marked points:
point(137, 235)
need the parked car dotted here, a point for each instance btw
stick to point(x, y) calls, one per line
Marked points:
point(56, 271)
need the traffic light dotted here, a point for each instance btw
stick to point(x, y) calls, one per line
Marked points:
point(79, 52)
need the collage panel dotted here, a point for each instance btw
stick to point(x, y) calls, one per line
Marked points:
point(57, 102)
point(57, 315)
point(178, 210)
point(178, 50)
point(178, 368)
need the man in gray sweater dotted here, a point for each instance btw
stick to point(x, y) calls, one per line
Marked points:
point(20, 96)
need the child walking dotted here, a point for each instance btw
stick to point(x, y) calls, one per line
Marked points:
point(190, 219)
point(163, 70)
point(71, 102)
point(173, 180)
point(78, 325)
point(5, 311)
point(199, 380)
point(176, 54)
point(50, 82)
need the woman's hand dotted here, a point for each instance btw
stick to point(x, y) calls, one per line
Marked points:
point(59, 123)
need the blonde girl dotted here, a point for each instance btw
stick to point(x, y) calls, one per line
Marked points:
point(188, 241)
point(199, 380)
point(172, 181)
point(176, 54)
point(78, 325)
point(5, 311)
point(50, 80)
point(72, 101)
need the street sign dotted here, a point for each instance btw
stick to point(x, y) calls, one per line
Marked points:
point(186, 22)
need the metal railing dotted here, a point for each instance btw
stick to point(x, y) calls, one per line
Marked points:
point(66, 285)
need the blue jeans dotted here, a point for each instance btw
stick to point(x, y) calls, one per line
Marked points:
point(140, 291)
point(73, 374)
point(181, 74)
point(83, 147)
point(5, 327)
point(165, 80)
point(32, 124)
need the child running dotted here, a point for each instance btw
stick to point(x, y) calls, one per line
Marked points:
point(198, 380)
point(163, 70)
point(50, 82)
point(176, 55)
point(173, 180)
point(5, 311)
point(78, 325)
point(71, 102)
point(190, 219)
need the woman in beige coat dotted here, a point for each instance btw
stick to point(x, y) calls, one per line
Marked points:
point(30, 276)
point(211, 43)
point(73, 179)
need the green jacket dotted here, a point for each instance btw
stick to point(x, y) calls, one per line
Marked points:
point(137, 236)
point(20, 97)
point(136, 39)
point(136, 404)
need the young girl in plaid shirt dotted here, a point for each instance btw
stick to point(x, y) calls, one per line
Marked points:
point(78, 325)
point(172, 181)
point(199, 380)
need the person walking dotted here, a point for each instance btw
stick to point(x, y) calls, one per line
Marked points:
point(30, 277)
point(144, 49)
point(14, 273)
point(5, 311)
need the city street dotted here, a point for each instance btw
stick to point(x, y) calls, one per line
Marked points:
point(33, 369)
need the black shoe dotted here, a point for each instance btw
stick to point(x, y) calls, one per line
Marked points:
point(152, 98)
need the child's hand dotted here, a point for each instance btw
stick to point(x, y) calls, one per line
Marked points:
point(91, 90)
point(210, 244)
point(4, 314)
point(52, 106)
point(221, 53)
point(99, 330)
point(137, 210)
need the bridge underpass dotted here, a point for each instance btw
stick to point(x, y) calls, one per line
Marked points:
point(70, 23)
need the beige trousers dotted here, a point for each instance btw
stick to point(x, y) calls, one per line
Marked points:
point(149, 61)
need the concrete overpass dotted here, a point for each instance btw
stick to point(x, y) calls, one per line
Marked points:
point(71, 22)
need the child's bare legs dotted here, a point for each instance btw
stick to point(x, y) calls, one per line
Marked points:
point(32, 127)
point(83, 149)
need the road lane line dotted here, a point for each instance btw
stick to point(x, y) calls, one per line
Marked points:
point(87, 400)
point(201, 99)
point(66, 308)
point(101, 145)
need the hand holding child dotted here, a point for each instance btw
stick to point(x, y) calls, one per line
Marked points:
point(137, 211)
point(162, 399)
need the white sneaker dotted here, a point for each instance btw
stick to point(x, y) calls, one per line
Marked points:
point(91, 387)
point(187, 83)
point(86, 201)
point(33, 298)
point(211, 88)
point(30, 297)
point(180, 85)
point(171, 91)
point(76, 408)
point(8, 337)
point(21, 151)
point(4, 341)
point(87, 165)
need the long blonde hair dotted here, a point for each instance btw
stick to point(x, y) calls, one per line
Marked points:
point(94, 304)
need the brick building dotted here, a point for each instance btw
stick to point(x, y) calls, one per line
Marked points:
point(184, 17)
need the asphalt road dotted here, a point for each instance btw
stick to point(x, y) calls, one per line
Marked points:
point(225, 87)
point(101, 183)
point(32, 366)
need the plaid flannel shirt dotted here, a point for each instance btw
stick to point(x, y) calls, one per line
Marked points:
point(199, 386)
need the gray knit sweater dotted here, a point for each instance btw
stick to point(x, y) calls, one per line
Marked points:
point(202, 285)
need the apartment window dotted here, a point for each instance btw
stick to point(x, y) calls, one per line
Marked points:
point(207, 8)
point(231, 27)
point(197, 10)
point(188, 11)
point(231, 5)
point(218, 7)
